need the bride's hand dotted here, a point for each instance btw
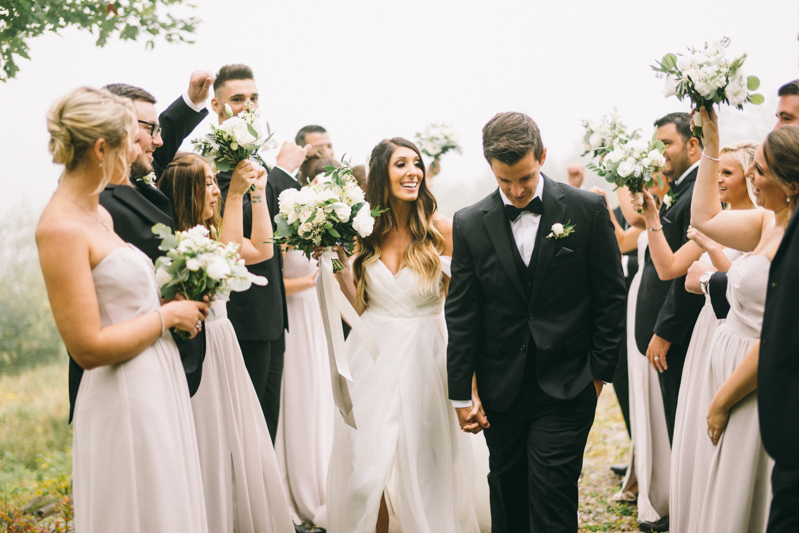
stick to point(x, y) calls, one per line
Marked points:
point(342, 255)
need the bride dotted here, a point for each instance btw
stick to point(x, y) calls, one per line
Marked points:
point(408, 456)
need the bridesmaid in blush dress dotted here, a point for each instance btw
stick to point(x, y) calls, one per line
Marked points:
point(135, 461)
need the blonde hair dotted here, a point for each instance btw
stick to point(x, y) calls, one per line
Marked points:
point(744, 153)
point(423, 254)
point(77, 120)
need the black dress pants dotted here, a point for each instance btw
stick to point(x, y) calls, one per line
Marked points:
point(784, 516)
point(670, 384)
point(621, 385)
point(536, 455)
point(264, 362)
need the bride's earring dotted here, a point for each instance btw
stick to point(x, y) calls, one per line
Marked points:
point(100, 164)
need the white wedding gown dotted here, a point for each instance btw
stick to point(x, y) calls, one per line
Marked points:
point(408, 440)
point(240, 477)
point(135, 461)
point(305, 430)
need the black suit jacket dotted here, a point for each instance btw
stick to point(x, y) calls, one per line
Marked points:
point(778, 368)
point(632, 256)
point(665, 307)
point(260, 313)
point(573, 310)
point(135, 210)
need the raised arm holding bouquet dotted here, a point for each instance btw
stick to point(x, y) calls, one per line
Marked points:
point(706, 77)
point(435, 141)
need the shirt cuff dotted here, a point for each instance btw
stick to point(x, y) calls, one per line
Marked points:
point(292, 174)
point(192, 105)
point(460, 404)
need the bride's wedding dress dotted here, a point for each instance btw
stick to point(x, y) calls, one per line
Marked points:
point(408, 440)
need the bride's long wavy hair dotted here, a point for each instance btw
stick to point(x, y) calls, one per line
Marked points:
point(427, 243)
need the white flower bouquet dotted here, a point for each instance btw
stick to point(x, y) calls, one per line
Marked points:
point(235, 140)
point(707, 77)
point(632, 163)
point(196, 265)
point(438, 139)
point(331, 212)
point(599, 136)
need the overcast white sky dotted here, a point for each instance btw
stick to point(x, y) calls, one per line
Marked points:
point(367, 70)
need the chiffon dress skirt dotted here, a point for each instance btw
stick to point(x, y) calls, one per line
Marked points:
point(691, 449)
point(651, 452)
point(135, 461)
point(738, 491)
point(243, 488)
point(305, 429)
point(407, 432)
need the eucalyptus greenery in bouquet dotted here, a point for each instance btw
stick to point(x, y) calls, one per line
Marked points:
point(438, 139)
point(196, 265)
point(237, 139)
point(706, 76)
point(332, 211)
point(599, 136)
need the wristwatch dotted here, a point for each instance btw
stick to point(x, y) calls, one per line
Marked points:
point(704, 279)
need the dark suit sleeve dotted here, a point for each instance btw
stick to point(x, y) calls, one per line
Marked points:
point(608, 295)
point(276, 182)
point(177, 123)
point(678, 313)
point(464, 318)
point(717, 288)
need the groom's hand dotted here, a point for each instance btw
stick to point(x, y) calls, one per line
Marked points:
point(598, 384)
point(472, 419)
point(656, 353)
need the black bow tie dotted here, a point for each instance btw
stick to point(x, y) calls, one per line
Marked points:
point(535, 207)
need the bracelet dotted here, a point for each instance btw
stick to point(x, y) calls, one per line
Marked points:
point(163, 325)
point(655, 229)
point(711, 158)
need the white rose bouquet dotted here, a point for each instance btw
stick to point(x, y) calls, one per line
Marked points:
point(235, 140)
point(438, 139)
point(331, 212)
point(599, 136)
point(707, 77)
point(196, 265)
point(632, 163)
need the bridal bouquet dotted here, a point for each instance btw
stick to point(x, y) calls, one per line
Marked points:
point(632, 163)
point(235, 140)
point(707, 77)
point(599, 136)
point(196, 265)
point(332, 211)
point(438, 139)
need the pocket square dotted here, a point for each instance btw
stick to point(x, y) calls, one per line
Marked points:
point(563, 251)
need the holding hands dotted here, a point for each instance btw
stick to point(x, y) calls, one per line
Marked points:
point(473, 419)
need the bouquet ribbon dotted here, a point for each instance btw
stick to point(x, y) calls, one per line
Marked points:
point(334, 304)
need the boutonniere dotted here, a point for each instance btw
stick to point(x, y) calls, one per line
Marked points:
point(149, 179)
point(560, 231)
point(670, 198)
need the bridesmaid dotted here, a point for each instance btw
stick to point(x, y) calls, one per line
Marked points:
point(240, 477)
point(135, 465)
point(737, 494)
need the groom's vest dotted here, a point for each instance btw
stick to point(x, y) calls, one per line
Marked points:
point(527, 277)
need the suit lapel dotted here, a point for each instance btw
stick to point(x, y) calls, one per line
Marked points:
point(554, 211)
point(499, 233)
point(134, 199)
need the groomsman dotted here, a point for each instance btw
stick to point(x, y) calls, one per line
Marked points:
point(259, 314)
point(136, 206)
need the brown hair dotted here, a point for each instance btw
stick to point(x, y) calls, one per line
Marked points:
point(790, 88)
point(508, 137)
point(232, 72)
point(781, 152)
point(183, 182)
point(131, 92)
point(422, 256)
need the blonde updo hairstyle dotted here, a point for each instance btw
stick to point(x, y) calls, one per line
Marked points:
point(744, 153)
point(77, 120)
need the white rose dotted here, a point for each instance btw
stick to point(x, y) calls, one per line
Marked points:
point(162, 277)
point(626, 168)
point(363, 222)
point(216, 267)
point(638, 146)
point(353, 195)
point(683, 63)
point(193, 264)
point(343, 211)
point(672, 83)
point(292, 216)
point(615, 156)
point(287, 199)
point(656, 158)
point(305, 196)
point(557, 229)
point(595, 140)
point(320, 217)
point(737, 91)
point(304, 228)
point(703, 88)
point(242, 133)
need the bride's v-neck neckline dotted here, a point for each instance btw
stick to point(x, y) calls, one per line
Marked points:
point(389, 270)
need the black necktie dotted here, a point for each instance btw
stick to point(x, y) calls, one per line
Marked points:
point(535, 207)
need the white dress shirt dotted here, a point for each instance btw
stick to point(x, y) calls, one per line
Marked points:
point(524, 229)
point(682, 177)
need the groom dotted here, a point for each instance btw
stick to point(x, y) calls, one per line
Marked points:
point(536, 312)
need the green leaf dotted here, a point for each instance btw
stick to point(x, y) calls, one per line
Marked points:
point(669, 61)
point(333, 232)
point(168, 242)
point(660, 146)
point(283, 228)
point(222, 165)
point(752, 83)
point(252, 131)
point(756, 99)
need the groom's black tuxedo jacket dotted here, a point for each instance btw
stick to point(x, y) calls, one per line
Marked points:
point(778, 368)
point(665, 307)
point(135, 210)
point(567, 312)
point(260, 313)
